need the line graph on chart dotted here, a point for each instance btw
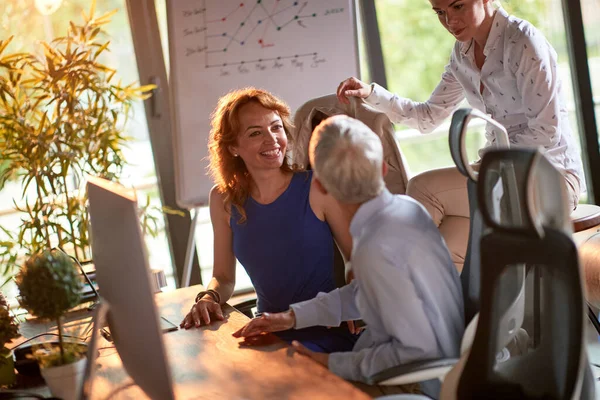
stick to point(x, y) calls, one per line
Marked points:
point(296, 49)
point(239, 33)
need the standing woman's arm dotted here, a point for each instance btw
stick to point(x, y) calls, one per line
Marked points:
point(424, 116)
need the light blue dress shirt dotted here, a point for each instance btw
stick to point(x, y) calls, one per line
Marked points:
point(406, 289)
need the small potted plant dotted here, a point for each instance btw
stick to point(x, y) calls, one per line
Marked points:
point(9, 329)
point(49, 285)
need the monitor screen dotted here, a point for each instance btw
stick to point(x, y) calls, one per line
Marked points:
point(123, 276)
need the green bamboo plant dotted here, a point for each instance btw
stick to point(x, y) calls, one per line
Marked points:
point(62, 116)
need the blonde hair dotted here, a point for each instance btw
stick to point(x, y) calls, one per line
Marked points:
point(228, 172)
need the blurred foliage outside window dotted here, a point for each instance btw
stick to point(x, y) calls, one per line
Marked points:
point(21, 19)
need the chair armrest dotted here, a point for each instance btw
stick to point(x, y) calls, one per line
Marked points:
point(418, 371)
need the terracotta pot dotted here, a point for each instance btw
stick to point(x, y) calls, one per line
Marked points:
point(7, 369)
point(65, 381)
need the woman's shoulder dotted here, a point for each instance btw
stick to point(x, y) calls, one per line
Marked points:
point(216, 202)
point(518, 29)
point(523, 39)
point(216, 196)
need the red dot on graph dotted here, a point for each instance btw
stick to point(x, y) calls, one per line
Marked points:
point(241, 4)
point(260, 41)
point(223, 19)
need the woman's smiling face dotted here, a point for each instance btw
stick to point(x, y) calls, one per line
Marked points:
point(262, 140)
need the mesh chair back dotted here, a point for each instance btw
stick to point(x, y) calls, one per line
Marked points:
point(470, 274)
point(535, 236)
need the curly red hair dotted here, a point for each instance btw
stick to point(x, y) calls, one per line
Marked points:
point(229, 172)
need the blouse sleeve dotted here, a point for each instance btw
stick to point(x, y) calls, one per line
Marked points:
point(424, 116)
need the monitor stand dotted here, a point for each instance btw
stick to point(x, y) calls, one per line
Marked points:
point(99, 319)
point(99, 323)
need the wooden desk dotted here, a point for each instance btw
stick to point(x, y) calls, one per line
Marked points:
point(209, 363)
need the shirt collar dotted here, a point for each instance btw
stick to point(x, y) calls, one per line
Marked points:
point(498, 26)
point(465, 47)
point(367, 210)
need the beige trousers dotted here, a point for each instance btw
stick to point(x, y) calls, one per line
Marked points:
point(443, 192)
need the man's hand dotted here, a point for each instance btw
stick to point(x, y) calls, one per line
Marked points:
point(268, 322)
point(321, 358)
point(201, 312)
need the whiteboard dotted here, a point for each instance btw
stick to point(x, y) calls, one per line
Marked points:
point(298, 50)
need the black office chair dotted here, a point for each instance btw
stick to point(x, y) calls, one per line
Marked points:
point(541, 235)
point(470, 276)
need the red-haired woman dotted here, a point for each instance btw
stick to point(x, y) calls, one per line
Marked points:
point(270, 217)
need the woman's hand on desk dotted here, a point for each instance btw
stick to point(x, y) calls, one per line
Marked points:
point(201, 313)
point(268, 322)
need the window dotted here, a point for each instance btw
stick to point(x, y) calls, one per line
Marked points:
point(29, 26)
point(416, 48)
point(591, 21)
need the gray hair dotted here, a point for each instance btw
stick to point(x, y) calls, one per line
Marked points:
point(347, 158)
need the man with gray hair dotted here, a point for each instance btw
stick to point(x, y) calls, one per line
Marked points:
point(406, 287)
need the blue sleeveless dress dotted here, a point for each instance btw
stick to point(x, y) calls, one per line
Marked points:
point(288, 254)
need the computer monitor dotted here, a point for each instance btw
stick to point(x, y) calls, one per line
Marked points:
point(123, 277)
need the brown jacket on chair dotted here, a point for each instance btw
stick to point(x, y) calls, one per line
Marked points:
point(315, 110)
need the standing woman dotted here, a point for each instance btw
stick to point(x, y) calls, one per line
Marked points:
point(270, 217)
point(504, 67)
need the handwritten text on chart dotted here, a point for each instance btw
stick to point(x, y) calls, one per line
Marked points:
point(194, 31)
point(194, 50)
point(334, 11)
point(192, 12)
point(246, 68)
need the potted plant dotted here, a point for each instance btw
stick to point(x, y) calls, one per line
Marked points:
point(62, 117)
point(49, 285)
point(9, 329)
